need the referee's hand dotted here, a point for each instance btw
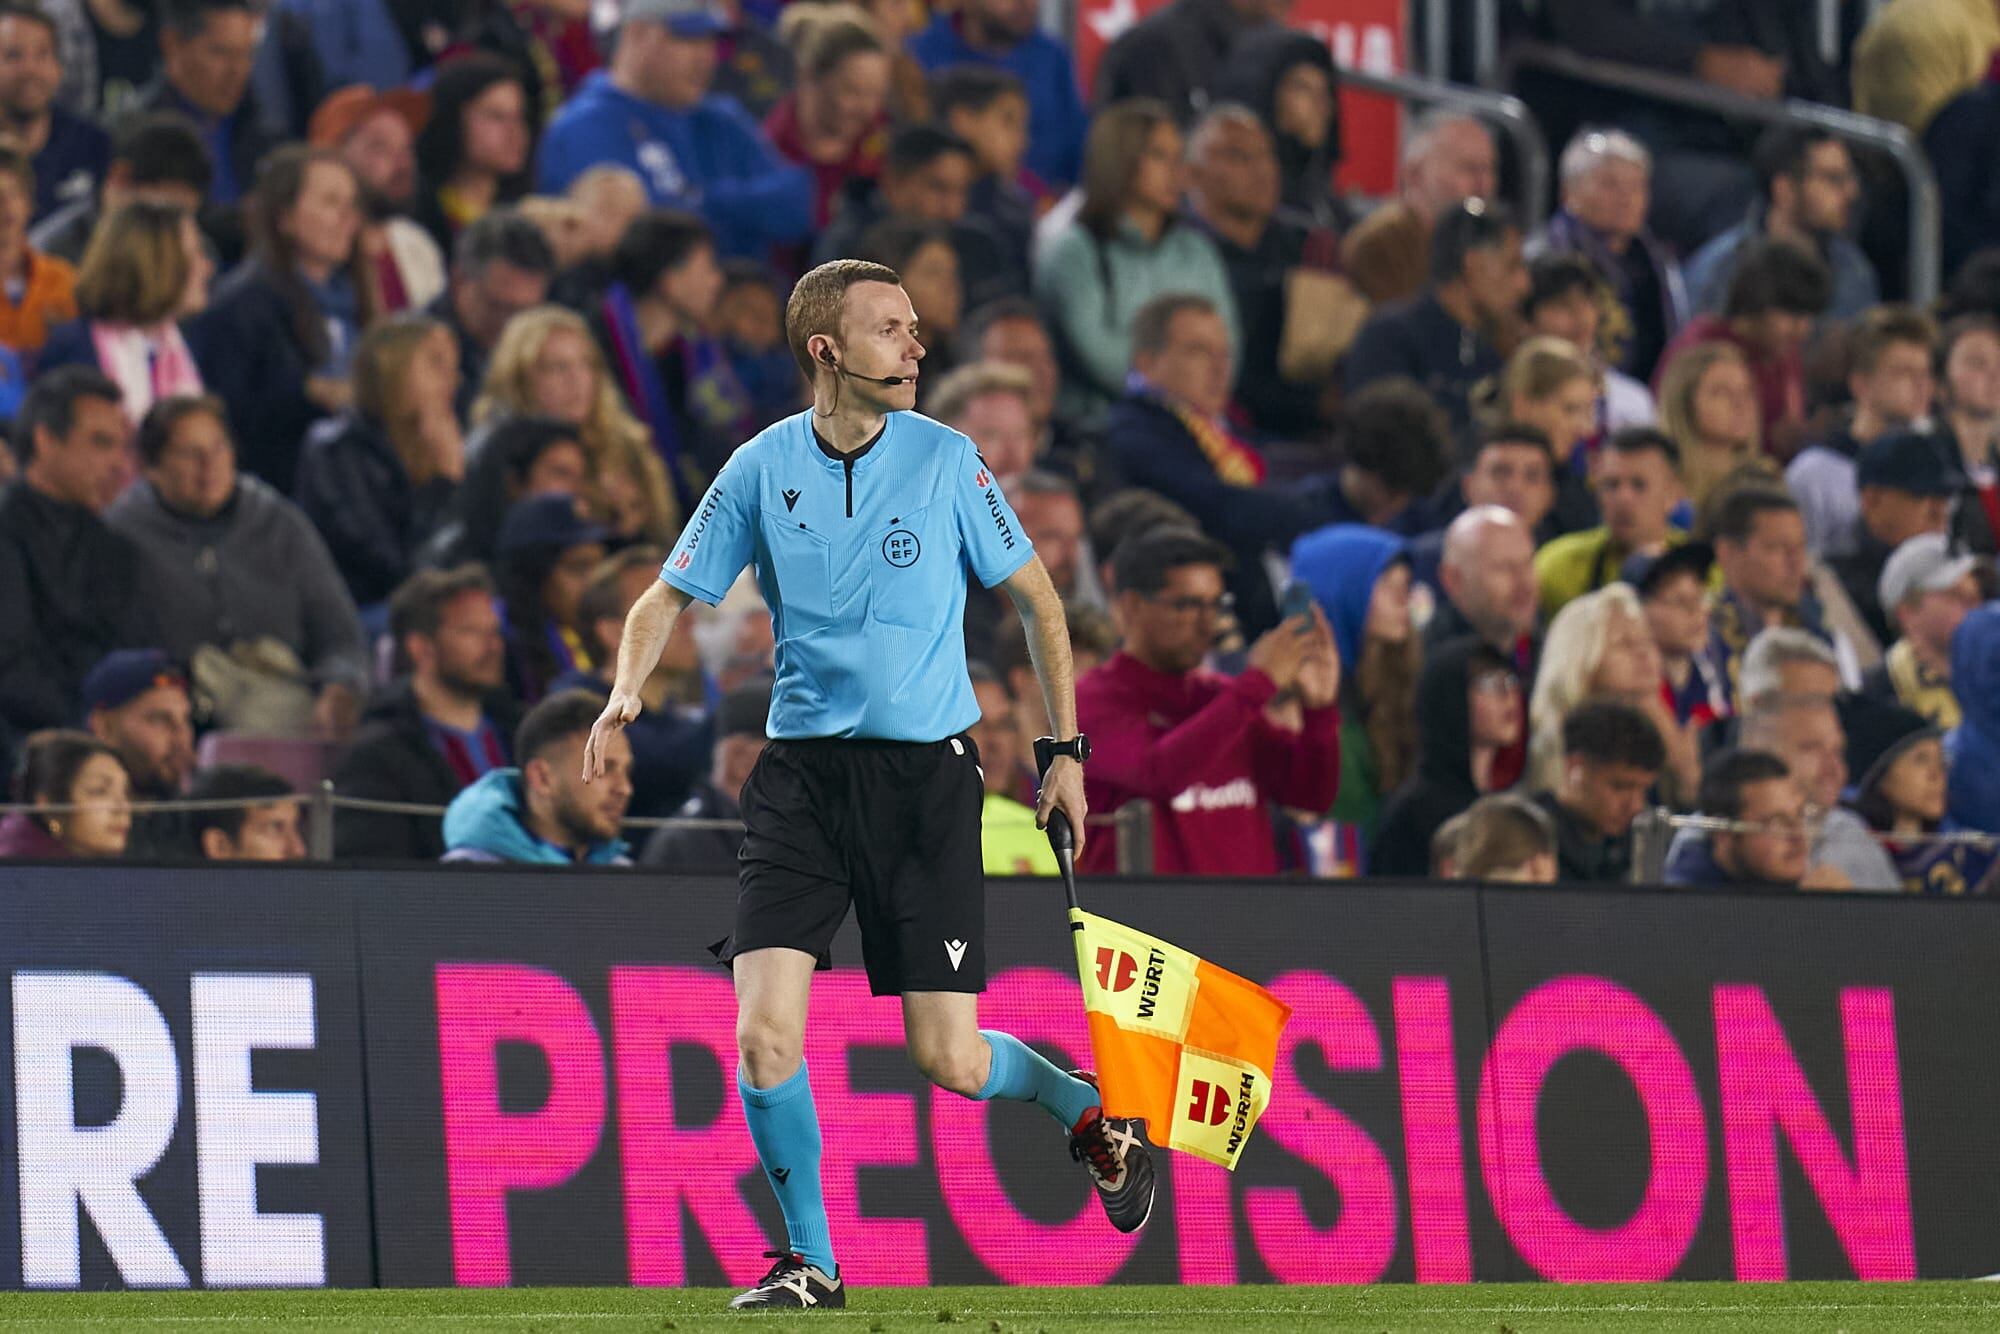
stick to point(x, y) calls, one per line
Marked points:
point(619, 710)
point(1062, 788)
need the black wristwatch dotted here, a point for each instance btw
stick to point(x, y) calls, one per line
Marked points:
point(1077, 747)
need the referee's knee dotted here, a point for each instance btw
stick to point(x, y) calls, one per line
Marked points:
point(959, 1067)
point(769, 1050)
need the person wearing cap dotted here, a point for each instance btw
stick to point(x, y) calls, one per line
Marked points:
point(544, 558)
point(541, 812)
point(1927, 590)
point(1906, 487)
point(1638, 485)
point(1673, 593)
point(653, 111)
point(375, 133)
point(739, 739)
point(136, 702)
point(1896, 757)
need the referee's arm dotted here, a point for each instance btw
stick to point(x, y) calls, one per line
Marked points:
point(1041, 609)
point(647, 627)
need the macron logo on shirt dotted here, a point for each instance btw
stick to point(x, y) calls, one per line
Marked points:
point(1236, 794)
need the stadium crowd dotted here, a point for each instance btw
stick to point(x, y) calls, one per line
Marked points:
point(364, 359)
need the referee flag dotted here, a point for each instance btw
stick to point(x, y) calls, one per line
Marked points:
point(1186, 1045)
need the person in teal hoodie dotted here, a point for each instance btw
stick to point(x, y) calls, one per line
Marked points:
point(542, 813)
point(653, 112)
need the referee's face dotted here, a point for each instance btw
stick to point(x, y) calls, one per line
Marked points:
point(878, 338)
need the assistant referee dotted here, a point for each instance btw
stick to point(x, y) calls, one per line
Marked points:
point(861, 519)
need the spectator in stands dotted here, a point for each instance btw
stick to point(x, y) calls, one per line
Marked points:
point(1175, 54)
point(37, 291)
point(1906, 489)
point(933, 276)
point(67, 154)
point(157, 158)
point(1360, 576)
point(277, 342)
point(1968, 424)
point(1606, 188)
point(988, 108)
point(1611, 757)
point(1672, 591)
point(213, 544)
point(1445, 842)
point(1170, 434)
point(739, 739)
point(447, 723)
point(1708, 407)
point(542, 812)
point(1601, 647)
point(652, 111)
point(265, 828)
point(1772, 825)
point(546, 364)
point(1488, 576)
point(512, 459)
point(207, 48)
point(656, 321)
point(1972, 749)
point(1051, 513)
point(1297, 314)
point(1638, 487)
point(1009, 841)
point(1809, 738)
point(1897, 759)
point(750, 321)
point(1890, 350)
point(1968, 203)
point(1806, 193)
point(1287, 78)
point(1127, 245)
point(1776, 293)
point(1448, 158)
point(136, 702)
point(1927, 591)
point(108, 52)
point(66, 579)
point(1502, 837)
point(1011, 331)
point(1093, 638)
point(1550, 386)
point(1469, 711)
point(1003, 33)
point(990, 403)
point(1514, 469)
point(1760, 546)
point(1393, 450)
point(1213, 754)
point(754, 67)
point(1569, 298)
point(671, 739)
point(86, 795)
point(377, 480)
point(1446, 338)
point(546, 553)
point(473, 152)
point(1916, 55)
point(146, 270)
point(375, 134)
point(500, 266)
point(832, 122)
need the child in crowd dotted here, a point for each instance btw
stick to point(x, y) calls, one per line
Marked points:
point(750, 320)
point(1895, 757)
point(988, 108)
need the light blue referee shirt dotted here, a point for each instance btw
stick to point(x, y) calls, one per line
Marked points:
point(862, 560)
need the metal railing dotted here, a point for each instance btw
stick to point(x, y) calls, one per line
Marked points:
point(1510, 113)
point(1926, 243)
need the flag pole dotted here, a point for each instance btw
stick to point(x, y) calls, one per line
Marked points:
point(1062, 839)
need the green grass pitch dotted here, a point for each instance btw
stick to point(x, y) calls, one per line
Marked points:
point(1822, 1308)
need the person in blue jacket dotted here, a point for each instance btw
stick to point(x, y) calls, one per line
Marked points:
point(652, 111)
point(542, 812)
point(1972, 749)
point(1003, 33)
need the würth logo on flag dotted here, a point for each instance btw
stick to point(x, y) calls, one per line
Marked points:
point(1210, 1105)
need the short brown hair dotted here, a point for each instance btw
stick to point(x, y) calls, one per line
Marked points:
point(957, 390)
point(1883, 327)
point(818, 298)
point(1153, 325)
point(1501, 833)
point(135, 268)
point(417, 606)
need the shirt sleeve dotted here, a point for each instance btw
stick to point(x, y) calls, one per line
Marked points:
point(995, 543)
point(718, 541)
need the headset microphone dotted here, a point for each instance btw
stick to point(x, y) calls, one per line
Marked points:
point(826, 355)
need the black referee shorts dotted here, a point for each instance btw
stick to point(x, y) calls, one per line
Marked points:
point(889, 826)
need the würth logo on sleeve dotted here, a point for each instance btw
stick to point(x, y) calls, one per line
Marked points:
point(999, 513)
point(982, 480)
point(682, 561)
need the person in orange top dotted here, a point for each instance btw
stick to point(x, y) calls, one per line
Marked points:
point(37, 291)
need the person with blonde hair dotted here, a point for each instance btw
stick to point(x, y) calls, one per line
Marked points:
point(832, 122)
point(1549, 385)
point(1708, 407)
point(547, 364)
point(378, 479)
point(1601, 647)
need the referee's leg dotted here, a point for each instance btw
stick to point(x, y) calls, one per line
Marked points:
point(773, 987)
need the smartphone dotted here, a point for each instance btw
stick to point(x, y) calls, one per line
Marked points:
point(1297, 602)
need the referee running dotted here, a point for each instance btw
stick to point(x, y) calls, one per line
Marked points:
point(861, 519)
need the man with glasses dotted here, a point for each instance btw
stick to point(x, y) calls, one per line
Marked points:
point(1806, 733)
point(1212, 753)
point(1770, 822)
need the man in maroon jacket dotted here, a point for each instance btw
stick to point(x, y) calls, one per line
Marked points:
point(1211, 752)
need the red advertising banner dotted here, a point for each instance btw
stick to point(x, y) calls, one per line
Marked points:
point(1370, 35)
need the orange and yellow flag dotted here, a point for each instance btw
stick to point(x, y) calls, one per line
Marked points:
point(1186, 1045)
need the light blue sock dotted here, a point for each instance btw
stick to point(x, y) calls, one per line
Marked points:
point(785, 1128)
point(1019, 1072)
